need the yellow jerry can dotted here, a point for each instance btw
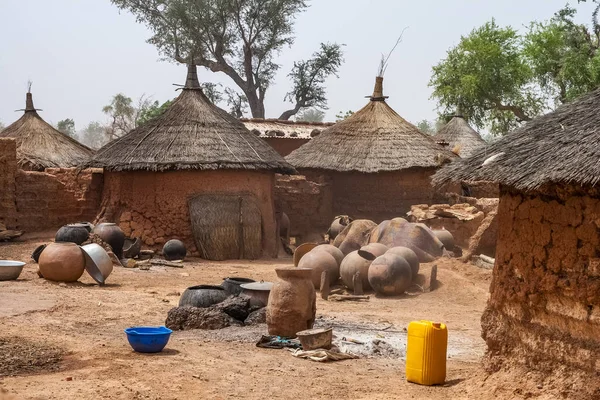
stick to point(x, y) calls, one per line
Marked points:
point(426, 352)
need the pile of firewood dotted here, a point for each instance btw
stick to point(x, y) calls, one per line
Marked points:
point(6, 234)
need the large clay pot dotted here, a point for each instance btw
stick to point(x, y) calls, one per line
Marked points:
point(409, 256)
point(319, 261)
point(112, 235)
point(354, 236)
point(373, 250)
point(445, 237)
point(174, 250)
point(417, 237)
point(132, 248)
point(62, 262)
point(73, 233)
point(390, 274)
point(339, 223)
point(202, 296)
point(352, 264)
point(334, 251)
point(232, 285)
point(292, 302)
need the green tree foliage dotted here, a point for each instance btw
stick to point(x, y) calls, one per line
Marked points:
point(93, 135)
point(426, 127)
point(342, 115)
point(240, 38)
point(67, 126)
point(500, 78)
point(155, 109)
point(121, 113)
point(310, 115)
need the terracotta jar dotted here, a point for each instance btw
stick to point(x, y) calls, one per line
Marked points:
point(62, 262)
point(352, 264)
point(112, 235)
point(319, 261)
point(390, 274)
point(292, 302)
point(334, 251)
point(373, 250)
point(409, 256)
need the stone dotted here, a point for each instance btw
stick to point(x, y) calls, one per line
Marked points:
point(186, 318)
point(234, 306)
point(257, 317)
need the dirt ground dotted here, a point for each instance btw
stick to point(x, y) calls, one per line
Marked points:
point(85, 323)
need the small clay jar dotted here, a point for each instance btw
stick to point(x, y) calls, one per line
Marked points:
point(292, 302)
point(390, 274)
point(112, 235)
point(319, 261)
point(62, 262)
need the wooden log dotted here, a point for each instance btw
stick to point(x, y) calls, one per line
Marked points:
point(164, 263)
point(347, 297)
point(9, 235)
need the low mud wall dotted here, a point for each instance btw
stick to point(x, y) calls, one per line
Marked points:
point(544, 308)
point(37, 201)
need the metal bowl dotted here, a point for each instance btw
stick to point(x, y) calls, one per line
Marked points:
point(10, 270)
point(97, 262)
point(313, 339)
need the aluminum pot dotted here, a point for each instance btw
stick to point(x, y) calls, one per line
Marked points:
point(202, 296)
point(113, 236)
point(10, 270)
point(97, 262)
point(258, 293)
point(74, 233)
point(233, 285)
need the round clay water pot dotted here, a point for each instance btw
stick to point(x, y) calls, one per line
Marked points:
point(373, 250)
point(113, 236)
point(445, 237)
point(36, 253)
point(202, 296)
point(334, 251)
point(292, 302)
point(352, 264)
point(74, 233)
point(232, 285)
point(338, 225)
point(174, 250)
point(390, 274)
point(62, 262)
point(132, 247)
point(409, 256)
point(319, 261)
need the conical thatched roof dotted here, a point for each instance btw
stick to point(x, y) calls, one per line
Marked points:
point(191, 134)
point(41, 146)
point(460, 137)
point(374, 139)
point(560, 147)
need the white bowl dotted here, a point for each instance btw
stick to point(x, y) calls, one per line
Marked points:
point(97, 262)
point(10, 270)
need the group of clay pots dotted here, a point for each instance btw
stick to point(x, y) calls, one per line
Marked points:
point(322, 258)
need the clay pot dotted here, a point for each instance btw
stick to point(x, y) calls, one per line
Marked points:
point(352, 264)
point(354, 236)
point(174, 250)
point(445, 237)
point(62, 262)
point(409, 255)
point(417, 237)
point(202, 296)
point(338, 225)
point(292, 303)
point(319, 261)
point(73, 233)
point(334, 251)
point(232, 285)
point(132, 247)
point(36, 253)
point(373, 250)
point(390, 274)
point(112, 235)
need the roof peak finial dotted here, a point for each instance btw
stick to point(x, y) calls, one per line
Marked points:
point(378, 90)
point(192, 81)
point(29, 98)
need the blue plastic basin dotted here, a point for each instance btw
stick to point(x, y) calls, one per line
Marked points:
point(148, 339)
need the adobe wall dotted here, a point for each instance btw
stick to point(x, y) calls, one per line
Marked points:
point(306, 203)
point(8, 171)
point(483, 189)
point(285, 146)
point(544, 308)
point(154, 205)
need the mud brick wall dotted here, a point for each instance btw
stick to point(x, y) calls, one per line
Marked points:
point(544, 308)
point(8, 171)
point(153, 206)
point(484, 189)
point(58, 196)
point(306, 203)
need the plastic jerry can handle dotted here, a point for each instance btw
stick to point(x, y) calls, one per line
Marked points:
point(436, 325)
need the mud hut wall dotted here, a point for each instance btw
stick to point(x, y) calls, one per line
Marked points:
point(8, 172)
point(58, 196)
point(154, 205)
point(484, 189)
point(544, 308)
point(285, 146)
point(383, 195)
point(307, 203)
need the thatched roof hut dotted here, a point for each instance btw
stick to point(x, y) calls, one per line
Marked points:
point(40, 146)
point(192, 134)
point(461, 138)
point(374, 139)
point(160, 176)
point(378, 164)
point(545, 291)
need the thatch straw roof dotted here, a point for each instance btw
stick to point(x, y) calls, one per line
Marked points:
point(460, 136)
point(374, 139)
point(40, 146)
point(560, 147)
point(192, 133)
point(276, 128)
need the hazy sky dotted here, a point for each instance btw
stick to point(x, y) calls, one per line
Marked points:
point(79, 53)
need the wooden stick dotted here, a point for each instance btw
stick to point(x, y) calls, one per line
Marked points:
point(347, 297)
point(166, 263)
point(324, 285)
